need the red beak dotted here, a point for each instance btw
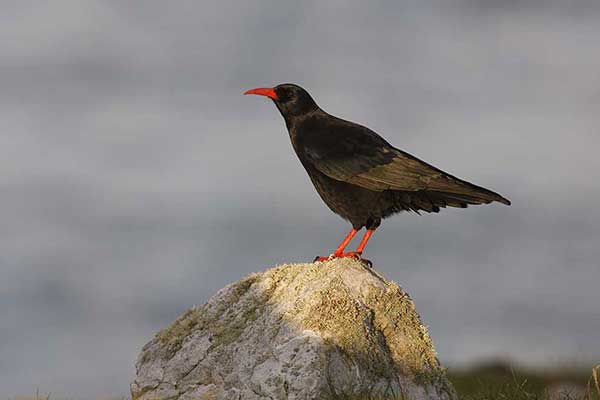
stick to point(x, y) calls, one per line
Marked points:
point(269, 92)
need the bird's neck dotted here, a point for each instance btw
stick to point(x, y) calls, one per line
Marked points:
point(299, 126)
point(299, 117)
point(297, 111)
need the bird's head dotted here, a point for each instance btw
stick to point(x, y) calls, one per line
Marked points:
point(291, 100)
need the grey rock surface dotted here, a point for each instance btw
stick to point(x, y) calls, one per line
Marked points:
point(331, 330)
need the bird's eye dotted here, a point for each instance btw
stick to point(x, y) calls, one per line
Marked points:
point(283, 95)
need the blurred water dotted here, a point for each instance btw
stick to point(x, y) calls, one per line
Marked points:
point(136, 180)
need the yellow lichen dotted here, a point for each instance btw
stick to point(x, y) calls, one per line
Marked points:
point(204, 318)
point(370, 322)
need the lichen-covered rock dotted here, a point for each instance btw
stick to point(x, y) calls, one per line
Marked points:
point(331, 330)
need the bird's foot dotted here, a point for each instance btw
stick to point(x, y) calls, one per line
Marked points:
point(357, 256)
point(352, 254)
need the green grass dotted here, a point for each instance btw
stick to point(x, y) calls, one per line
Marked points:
point(501, 382)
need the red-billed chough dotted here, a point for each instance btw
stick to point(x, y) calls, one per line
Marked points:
point(359, 175)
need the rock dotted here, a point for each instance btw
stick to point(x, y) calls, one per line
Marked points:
point(331, 330)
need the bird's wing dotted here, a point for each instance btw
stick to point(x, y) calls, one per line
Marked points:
point(352, 153)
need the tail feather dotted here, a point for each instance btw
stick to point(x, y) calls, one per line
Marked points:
point(432, 202)
point(477, 193)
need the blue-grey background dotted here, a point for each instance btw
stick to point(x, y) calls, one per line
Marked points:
point(136, 180)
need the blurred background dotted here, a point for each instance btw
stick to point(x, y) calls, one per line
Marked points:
point(136, 180)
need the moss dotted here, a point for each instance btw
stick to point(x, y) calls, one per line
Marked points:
point(205, 318)
point(278, 280)
point(381, 330)
point(398, 321)
point(371, 323)
point(333, 315)
point(173, 336)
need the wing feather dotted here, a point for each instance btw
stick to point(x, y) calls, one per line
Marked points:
point(363, 158)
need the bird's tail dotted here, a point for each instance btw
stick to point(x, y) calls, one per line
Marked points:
point(433, 201)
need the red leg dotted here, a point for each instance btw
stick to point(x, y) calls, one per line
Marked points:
point(340, 249)
point(364, 241)
point(358, 252)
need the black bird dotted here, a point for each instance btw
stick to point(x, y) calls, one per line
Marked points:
point(359, 175)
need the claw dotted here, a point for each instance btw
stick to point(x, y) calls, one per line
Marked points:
point(367, 263)
point(357, 255)
point(353, 254)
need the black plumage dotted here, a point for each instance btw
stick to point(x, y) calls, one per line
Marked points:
point(358, 174)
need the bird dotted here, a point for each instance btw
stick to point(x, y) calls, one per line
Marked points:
point(359, 175)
